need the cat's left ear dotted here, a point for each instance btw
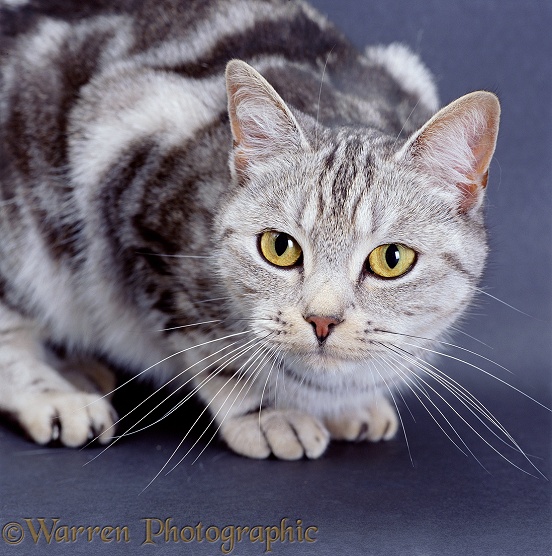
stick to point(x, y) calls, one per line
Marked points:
point(262, 125)
point(457, 144)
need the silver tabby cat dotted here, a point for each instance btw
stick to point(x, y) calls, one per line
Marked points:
point(229, 196)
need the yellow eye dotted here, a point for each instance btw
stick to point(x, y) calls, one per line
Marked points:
point(390, 260)
point(280, 249)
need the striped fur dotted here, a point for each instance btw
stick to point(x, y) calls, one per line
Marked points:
point(137, 177)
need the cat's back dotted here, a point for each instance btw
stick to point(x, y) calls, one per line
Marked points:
point(296, 48)
point(192, 37)
point(103, 58)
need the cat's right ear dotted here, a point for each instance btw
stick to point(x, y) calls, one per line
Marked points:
point(262, 125)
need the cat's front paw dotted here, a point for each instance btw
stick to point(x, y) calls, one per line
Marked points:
point(287, 434)
point(377, 422)
point(70, 418)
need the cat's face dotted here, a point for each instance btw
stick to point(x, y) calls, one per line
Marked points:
point(329, 249)
point(376, 248)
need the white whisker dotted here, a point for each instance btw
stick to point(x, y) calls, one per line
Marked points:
point(251, 378)
point(195, 422)
point(480, 369)
point(275, 361)
point(450, 345)
point(251, 375)
point(411, 381)
point(460, 331)
point(320, 97)
point(464, 396)
point(405, 122)
point(503, 302)
point(383, 360)
point(211, 300)
point(128, 432)
point(213, 419)
point(468, 400)
point(176, 256)
point(188, 325)
point(235, 355)
point(400, 418)
point(166, 359)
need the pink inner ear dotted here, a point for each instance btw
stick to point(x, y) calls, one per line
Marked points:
point(259, 130)
point(458, 144)
point(262, 125)
point(470, 193)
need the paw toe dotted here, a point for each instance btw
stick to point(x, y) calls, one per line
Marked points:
point(245, 437)
point(281, 437)
point(378, 422)
point(68, 418)
point(383, 423)
point(41, 424)
point(312, 435)
point(288, 435)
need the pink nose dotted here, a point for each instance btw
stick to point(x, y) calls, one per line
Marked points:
point(322, 326)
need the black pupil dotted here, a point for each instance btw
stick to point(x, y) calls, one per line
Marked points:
point(281, 244)
point(392, 256)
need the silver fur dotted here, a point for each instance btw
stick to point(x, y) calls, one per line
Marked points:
point(130, 223)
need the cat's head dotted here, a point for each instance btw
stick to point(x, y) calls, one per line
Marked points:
point(333, 240)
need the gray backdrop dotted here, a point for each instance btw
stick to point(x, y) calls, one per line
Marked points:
point(372, 499)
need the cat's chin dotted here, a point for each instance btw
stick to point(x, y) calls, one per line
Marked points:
point(332, 363)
